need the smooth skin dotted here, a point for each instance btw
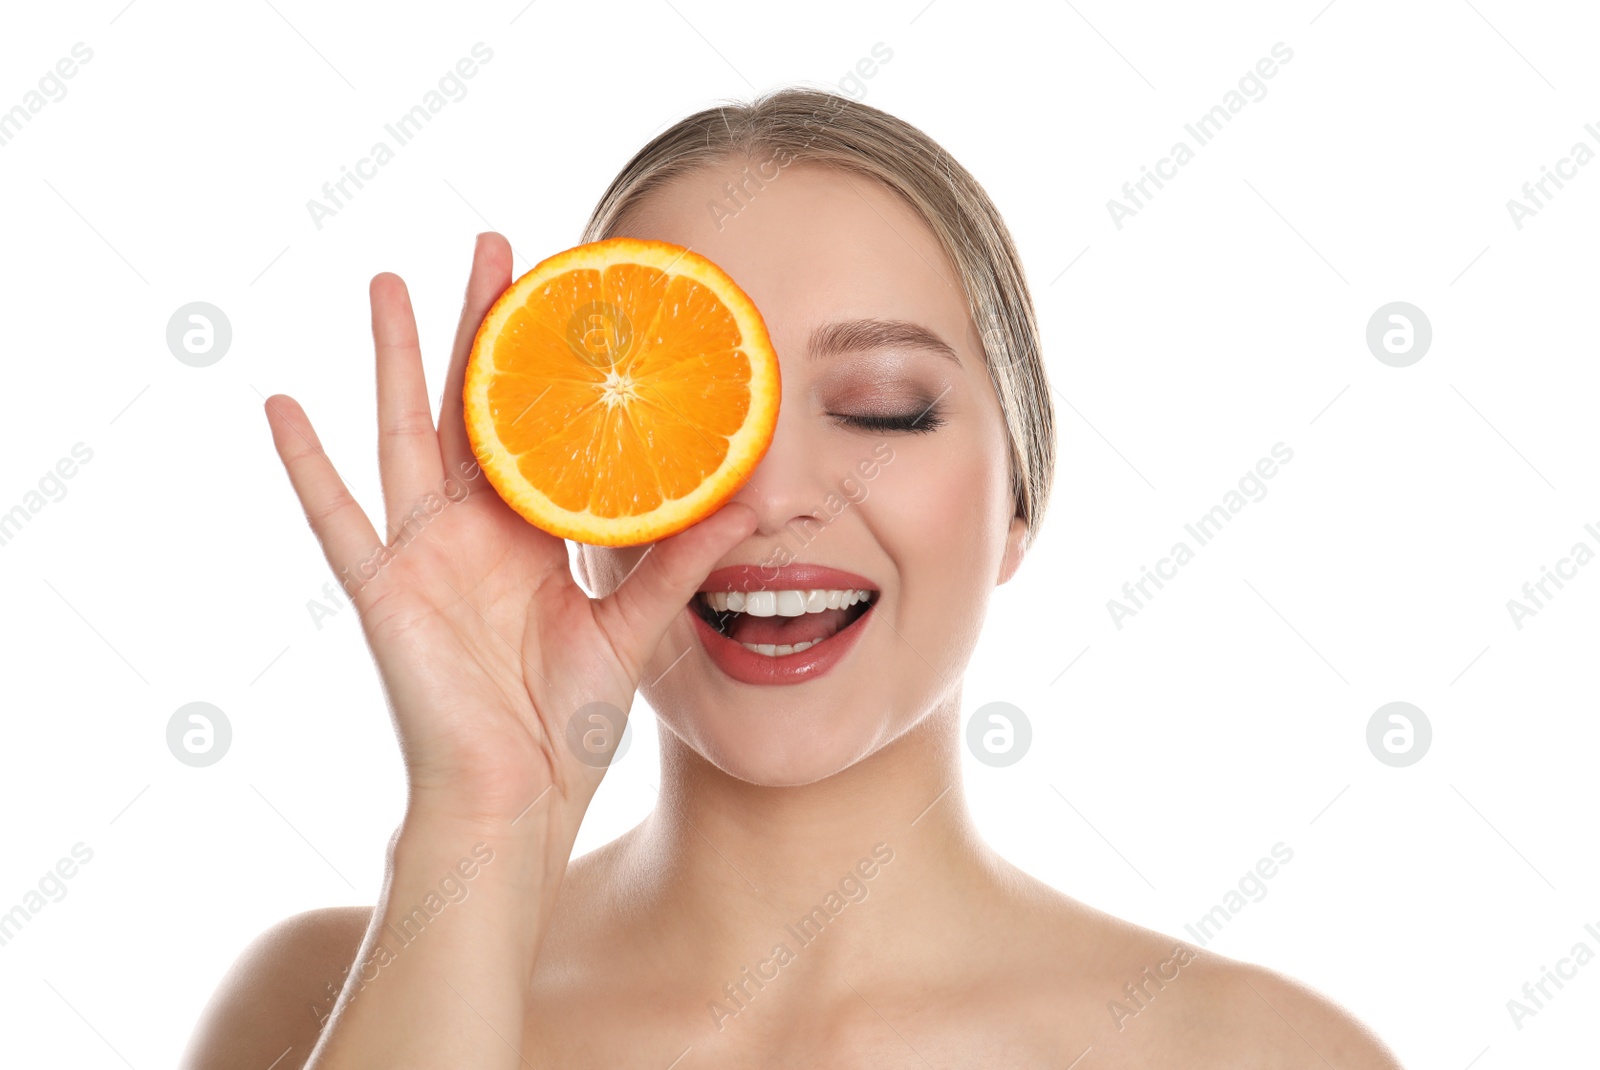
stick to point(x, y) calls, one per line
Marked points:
point(942, 954)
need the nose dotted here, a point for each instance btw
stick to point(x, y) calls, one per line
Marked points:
point(787, 487)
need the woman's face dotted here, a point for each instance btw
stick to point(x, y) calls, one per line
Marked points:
point(924, 516)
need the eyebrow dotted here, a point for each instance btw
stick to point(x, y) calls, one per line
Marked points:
point(851, 336)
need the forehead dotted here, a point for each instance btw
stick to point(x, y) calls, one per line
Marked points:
point(809, 245)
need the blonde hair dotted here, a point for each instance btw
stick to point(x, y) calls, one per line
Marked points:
point(827, 128)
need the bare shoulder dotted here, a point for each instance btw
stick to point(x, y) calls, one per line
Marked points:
point(1137, 997)
point(1258, 1016)
point(273, 1000)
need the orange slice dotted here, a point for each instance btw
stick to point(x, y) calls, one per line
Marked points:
point(621, 391)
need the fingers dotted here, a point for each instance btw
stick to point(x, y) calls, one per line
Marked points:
point(408, 445)
point(340, 524)
point(638, 613)
point(490, 277)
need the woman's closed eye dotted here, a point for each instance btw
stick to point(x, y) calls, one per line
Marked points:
point(924, 418)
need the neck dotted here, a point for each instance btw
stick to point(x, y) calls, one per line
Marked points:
point(886, 848)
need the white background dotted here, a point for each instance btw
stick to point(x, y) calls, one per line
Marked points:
point(1226, 316)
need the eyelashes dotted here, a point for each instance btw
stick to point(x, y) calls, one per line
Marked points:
point(920, 420)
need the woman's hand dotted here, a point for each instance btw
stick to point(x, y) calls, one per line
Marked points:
point(485, 644)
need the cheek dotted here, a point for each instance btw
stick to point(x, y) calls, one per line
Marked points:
point(944, 503)
point(942, 515)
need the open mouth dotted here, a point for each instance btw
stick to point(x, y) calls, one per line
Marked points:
point(779, 623)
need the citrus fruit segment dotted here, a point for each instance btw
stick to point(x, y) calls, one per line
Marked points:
point(621, 391)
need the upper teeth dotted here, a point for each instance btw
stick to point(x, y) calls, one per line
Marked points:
point(782, 603)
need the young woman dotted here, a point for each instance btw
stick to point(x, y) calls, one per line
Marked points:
point(810, 890)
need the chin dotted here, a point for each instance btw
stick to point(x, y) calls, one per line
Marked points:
point(774, 748)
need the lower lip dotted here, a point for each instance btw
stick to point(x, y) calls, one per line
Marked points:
point(748, 667)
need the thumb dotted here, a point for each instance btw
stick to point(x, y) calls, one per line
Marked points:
point(638, 613)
